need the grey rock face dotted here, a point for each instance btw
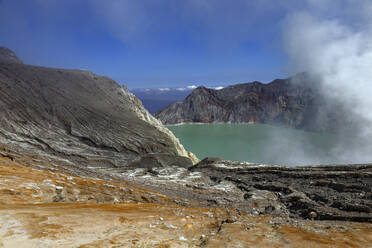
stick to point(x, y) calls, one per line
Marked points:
point(78, 117)
point(334, 192)
point(294, 102)
point(8, 56)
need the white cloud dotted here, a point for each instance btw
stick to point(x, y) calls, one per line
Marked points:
point(181, 89)
point(191, 87)
point(164, 89)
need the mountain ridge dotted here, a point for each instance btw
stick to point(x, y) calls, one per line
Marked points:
point(155, 99)
point(294, 102)
point(79, 119)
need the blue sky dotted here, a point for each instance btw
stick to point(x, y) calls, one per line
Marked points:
point(153, 43)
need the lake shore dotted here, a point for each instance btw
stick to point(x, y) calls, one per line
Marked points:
point(257, 143)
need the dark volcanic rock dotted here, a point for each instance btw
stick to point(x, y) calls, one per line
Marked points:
point(160, 160)
point(294, 102)
point(334, 192)
point(77, 118)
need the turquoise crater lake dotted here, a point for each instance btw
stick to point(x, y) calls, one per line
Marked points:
point(259, 143)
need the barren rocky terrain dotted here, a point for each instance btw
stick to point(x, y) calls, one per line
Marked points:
point(83, 164)
point(43, 208)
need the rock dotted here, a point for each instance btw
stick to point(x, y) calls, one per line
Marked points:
point(313, 215)
point(299, 192)
point(8, 56)
point(160, 160)
point(294, 102)
point(87, 123)
point(170, 226)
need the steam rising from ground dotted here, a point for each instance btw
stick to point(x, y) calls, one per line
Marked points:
point(337, 51)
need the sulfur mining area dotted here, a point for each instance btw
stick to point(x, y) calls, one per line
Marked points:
point(83, 164)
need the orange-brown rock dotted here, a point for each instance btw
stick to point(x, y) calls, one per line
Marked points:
point(42, 208)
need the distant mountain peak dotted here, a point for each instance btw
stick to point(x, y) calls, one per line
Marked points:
point(292, 102)
point(8, 56)
point(156, 99)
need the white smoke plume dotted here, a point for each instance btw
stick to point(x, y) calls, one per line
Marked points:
point(332, 40)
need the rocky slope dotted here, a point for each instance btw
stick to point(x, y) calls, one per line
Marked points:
point(8, 56)
point(293, 102)
point(78, 118)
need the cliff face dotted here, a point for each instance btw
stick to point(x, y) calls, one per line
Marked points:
point(78, 118)
point(294, 102)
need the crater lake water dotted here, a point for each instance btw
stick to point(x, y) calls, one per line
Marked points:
point(259, 143)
